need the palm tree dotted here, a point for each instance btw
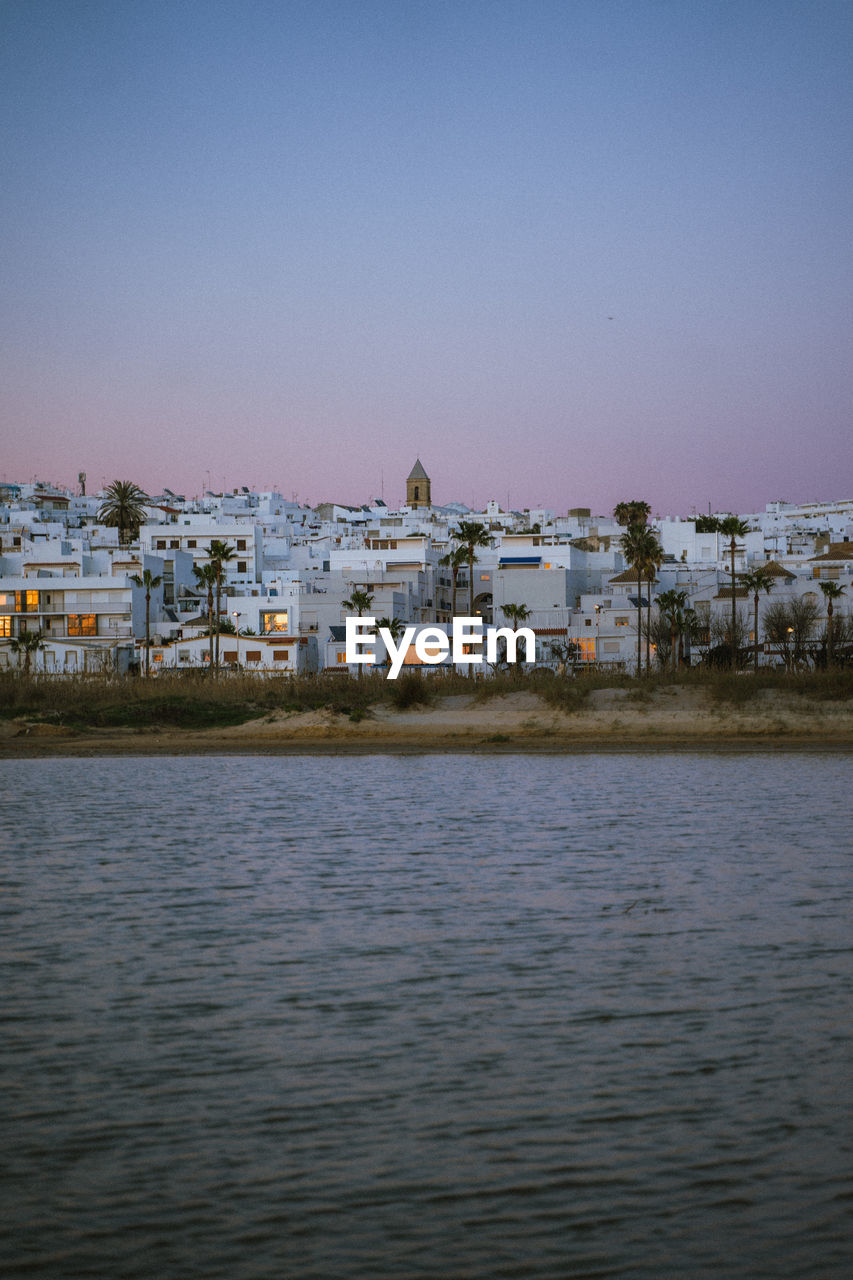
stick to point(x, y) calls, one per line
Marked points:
point(359, 601)
point(395, 627)
point(733, 527)
point(123, 508)
point(454, 561)
point(640, 547)
point(654, 558)
point(516, 612)
point(630, 513)
point(831, 591)
point(759, 580)
point(472, 534)
point(220, 553)
point(205, 576)
point(148, 581)
point(672, 606)
point(27, 643)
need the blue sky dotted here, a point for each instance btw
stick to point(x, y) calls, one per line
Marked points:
point(570, 253)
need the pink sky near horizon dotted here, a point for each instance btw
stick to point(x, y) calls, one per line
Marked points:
point(566, 255)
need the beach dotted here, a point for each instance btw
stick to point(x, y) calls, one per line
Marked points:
point(609, 720)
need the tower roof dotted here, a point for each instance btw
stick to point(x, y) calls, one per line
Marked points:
point(417, 472)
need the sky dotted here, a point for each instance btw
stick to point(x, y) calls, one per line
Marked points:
point(567, 254)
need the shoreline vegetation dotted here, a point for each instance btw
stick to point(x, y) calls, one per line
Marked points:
point(535, 711)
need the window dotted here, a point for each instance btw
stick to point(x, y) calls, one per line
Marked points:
point(273, 622)
point(174, 542)
point(620, 622)
point(241, 544)
point(280, 655)
point(82, 624)
point(5, 625)
point(158, 657)
point(241, 566)
point(192, 542)
point(184, 655)
point(610, 646)
point(160, 544)
point(340, 657)
point(230, 655)
point(27, 601)
point(254, 655)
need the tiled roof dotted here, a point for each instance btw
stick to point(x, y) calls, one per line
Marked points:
point(776, 570)
point(628, 576)
point(836, 551)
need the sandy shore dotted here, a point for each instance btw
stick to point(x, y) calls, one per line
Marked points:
point(611, 720)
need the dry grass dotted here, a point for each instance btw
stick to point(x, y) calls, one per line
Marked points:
point(196, 700)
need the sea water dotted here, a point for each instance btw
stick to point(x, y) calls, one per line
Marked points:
point(446, 1016)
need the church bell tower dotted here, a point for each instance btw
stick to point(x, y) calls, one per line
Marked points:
point(418, 487)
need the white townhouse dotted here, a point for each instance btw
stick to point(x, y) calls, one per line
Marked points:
point(91, 616)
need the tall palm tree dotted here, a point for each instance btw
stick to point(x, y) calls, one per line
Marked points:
point(831, 591)
point(472, 534)
point(148, 581)
point(733, 527)
point(639, 547)
point(756, 581)
point(359, 601)
point(654, 559)
point(672, 607)
point(220, 553)
point(454, 561)
point(395, 627)
point(205, 576)
point(628, 513)
point(123, 508)
point(27, 643)
point(516, 613)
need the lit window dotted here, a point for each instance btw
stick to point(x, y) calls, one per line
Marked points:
point(273, 622)
point(82, 624)
point(5, 625)
point(620, 622)
point(340, 657)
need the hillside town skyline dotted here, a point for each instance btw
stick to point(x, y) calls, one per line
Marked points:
point(390, 491)
point(123, 581)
